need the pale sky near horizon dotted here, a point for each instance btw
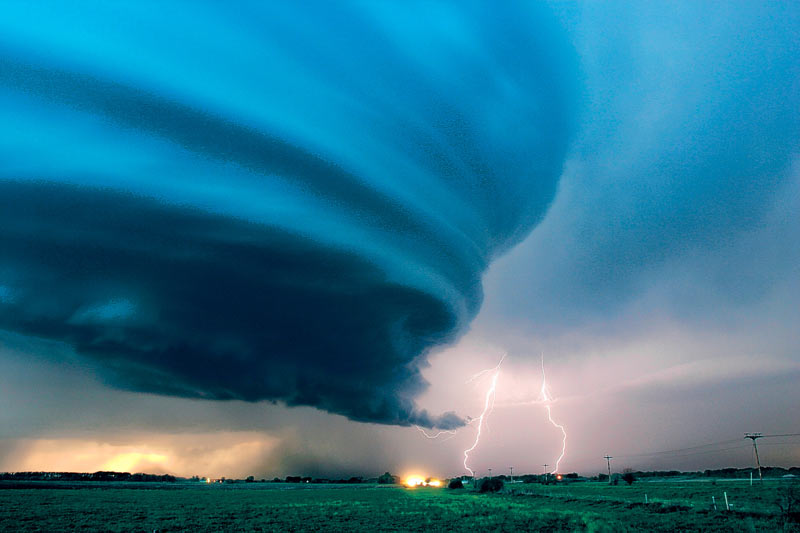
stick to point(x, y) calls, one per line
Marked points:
point(272, 239)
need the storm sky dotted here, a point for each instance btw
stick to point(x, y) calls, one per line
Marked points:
point(272, 239)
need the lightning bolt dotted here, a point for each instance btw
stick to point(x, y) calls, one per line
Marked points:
point(438, 434)
point(547, 399)
point(488, 406)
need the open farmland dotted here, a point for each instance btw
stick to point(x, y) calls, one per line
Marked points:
point(287, 507)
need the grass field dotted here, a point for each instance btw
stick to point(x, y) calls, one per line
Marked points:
point(672, 506)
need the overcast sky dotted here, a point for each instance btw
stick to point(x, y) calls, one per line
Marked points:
point(282, 239)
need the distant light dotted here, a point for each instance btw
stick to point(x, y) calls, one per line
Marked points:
point(419, 481)
point(558, 477)
point(208, 480)
point(414, 481)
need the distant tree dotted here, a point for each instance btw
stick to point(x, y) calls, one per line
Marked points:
point(387, 479)
point(455, 484)
point(628, 477)
point(491, 484)
point(250, 479)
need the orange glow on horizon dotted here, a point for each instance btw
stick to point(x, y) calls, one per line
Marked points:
point(414, 481)
point(209, 455)
point(125, 462)
point(419, 481)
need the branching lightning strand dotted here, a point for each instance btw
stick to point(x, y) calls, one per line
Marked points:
point(488, 406)
point(547, 400)
point(437, 434)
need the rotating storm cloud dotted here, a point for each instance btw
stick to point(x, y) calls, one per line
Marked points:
point(296, 211)
point(299, 203)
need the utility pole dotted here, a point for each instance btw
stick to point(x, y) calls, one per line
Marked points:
point(512, 473)
point(608, 461)
point(545, 472)
point(754, 437)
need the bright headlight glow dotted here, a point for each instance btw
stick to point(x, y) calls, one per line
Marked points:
point(419, 481)
point(414, 481)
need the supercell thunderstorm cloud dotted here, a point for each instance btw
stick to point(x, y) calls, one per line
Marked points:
point(294, 210)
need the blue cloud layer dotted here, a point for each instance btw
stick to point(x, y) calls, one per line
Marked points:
point(680, 185)
point(282, 202)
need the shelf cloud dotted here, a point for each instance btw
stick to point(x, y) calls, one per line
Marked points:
point(295, 210)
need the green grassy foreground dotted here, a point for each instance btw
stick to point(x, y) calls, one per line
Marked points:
point(577, 507)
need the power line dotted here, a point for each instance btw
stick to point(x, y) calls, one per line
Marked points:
point(700, 448)
point(718, 450)
point(740, 447)
point(779, 444)
point(720, 443)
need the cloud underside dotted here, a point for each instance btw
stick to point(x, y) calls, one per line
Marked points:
point(174, 301)
point(282, 221)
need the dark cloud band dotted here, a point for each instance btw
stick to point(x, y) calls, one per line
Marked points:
point(305, 240)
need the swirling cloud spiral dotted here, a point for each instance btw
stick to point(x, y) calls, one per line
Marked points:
point(285, 202)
